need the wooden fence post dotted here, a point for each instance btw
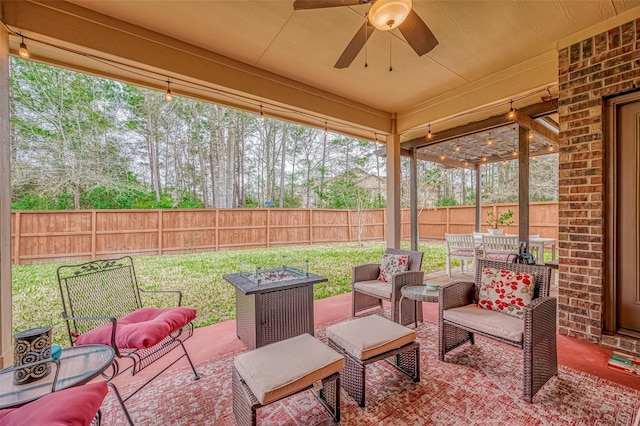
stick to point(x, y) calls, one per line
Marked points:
point(384, 224)
point(160, 226)
point(448, 225)
point(268, 228)
point(310, 226)
point(94, 230)
point(16, 239)
point(217, 231)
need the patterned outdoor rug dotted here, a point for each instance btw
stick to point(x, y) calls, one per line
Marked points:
point(478, 385)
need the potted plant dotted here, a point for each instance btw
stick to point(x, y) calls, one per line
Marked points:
point(499, 219)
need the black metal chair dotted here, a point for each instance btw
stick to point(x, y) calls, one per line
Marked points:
point(100, 292)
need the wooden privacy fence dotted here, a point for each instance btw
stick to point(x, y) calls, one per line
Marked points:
point(57, 236)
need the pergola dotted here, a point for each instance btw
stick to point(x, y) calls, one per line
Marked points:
point(262, 56)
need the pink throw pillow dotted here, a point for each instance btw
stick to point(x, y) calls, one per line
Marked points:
point(505, 291)
point(75, 406)
point(392, 264)
point(140, 329)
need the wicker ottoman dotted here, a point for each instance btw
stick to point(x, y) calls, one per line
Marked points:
point(274, 371)
point(370, 339)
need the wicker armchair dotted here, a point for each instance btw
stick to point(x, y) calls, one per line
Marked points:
point(368, 292)
point(538, 329)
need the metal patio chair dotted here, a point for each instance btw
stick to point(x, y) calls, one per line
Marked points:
point(97, 294)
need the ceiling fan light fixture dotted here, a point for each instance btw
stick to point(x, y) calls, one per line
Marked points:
point(389, 14)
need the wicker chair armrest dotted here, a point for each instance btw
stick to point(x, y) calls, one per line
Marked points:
point(403, 279)
point(366, 272)
point(540, 318)
point(456, 294)
point(175, 292)
point(407, 278)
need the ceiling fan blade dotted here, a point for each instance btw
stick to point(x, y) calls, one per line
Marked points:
point(418, 34)
point(355, 45)
point(319, 4)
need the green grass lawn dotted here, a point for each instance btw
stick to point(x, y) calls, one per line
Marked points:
point(36, 296)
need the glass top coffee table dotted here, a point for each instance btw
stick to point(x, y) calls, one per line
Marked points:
point(419, 293)
point(76, 366)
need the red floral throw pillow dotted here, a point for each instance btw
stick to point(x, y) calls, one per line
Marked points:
point(392, 264)
point(505, 291)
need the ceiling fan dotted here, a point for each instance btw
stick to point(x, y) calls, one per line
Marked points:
point(383, 15)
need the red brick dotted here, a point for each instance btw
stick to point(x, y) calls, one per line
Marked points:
point(611, 71)
point(574, 53)
point(628, 33)
point(587, 48)
point(614, 38)
point(600, 43)
point(563, 58)
point(624, 77)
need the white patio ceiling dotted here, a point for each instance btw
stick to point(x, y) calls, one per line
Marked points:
point(263, 53)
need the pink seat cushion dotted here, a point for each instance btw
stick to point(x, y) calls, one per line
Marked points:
point(498, 256)
point(467, 253)
point(140, 329)
point(69, 407)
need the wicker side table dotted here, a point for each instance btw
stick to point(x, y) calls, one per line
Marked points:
point(418, 293)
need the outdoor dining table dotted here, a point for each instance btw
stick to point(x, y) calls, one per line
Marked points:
point(539, 243)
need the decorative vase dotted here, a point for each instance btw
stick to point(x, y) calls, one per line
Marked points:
point(495, 231)
point(31, 346)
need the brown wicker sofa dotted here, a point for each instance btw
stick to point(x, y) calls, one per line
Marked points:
point(538, 333)
point(368, 293)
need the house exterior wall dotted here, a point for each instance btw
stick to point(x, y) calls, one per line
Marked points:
point(589, 71)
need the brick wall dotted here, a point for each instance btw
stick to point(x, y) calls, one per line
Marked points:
point(600, 66)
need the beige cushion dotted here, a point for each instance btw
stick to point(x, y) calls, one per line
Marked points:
point(375, 287)
point(369, 336)
point(286, 367)
point(490, 322)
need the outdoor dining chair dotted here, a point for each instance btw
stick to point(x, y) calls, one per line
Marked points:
point(499, 247)
point(461, 247)
point(102, 304)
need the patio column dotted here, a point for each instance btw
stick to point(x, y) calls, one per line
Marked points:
point(523, 184)
point(413, 199)
point(393, 188)
point(478, 199)
point(6, 340)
